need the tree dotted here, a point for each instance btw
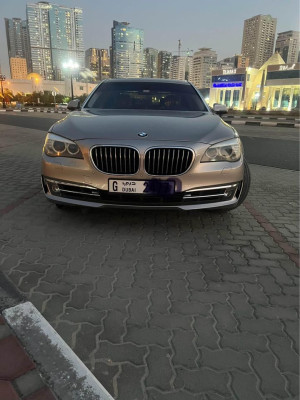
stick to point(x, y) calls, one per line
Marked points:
point(19, 97)
point(8, 95)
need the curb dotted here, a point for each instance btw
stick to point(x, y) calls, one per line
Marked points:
point(19, 376)
point(262, 123)
point(37, 110)
point(263, 117)
point(66, 374)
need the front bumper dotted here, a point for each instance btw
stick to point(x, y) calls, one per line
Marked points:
point(203, 186)
point(70, 193)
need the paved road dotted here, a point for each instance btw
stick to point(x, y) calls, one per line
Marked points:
point(161, 305)
point(260, 148)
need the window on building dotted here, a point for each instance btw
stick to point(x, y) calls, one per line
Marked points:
point(296, 99)
point(221, 96)
point(227, 98)
point(236, 98)
point(285, 98)
point(80, 87)
point(283, 74)
point(276, 99)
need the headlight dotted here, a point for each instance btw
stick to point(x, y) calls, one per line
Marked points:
point(57, 146)
point(229, 150)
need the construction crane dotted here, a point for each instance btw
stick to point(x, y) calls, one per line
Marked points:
point(179, 51)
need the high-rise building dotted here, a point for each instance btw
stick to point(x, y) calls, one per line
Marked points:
point(204, 61)
point(111, 61)
point(237, 61)
point(241, 61)
point(127, 51)
point(188, 67)
point(164, 64)
point(258, 39)
point(226, 63)
point(56, 36)
point(18, 41)
point(40, 41)
point(287, 45)
point(178, 68)
point(150, 63)
point(18, 68)
point(92, 61)
point(104, 64)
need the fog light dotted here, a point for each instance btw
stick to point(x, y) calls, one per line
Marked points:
point(228, 193)
point(54, 187)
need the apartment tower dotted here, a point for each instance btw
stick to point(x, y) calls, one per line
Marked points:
point(164, 64)
point(17, 44)
point(287, 45)
point(127, 51)
point(56, 36)
point(104, 64)
point(204, 61)
point(178, 68)
point(92, 61)
point(150, 63)
point(258, 39)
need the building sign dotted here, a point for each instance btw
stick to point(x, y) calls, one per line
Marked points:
point(284, 67)
point(229, 71)
point(227, 84)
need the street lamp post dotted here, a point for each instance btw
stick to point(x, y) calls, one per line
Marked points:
point(72, 94)
point(2, 79)
point(71, 66)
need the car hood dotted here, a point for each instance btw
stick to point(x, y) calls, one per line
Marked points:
point(122, 125)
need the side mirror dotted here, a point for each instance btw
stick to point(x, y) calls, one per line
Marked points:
point(220, 109)
point(74, 105)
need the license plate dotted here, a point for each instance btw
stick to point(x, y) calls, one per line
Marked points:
point(153, 186)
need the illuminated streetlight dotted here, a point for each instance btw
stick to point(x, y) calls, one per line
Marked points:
point(2, 79)
point(71, 66)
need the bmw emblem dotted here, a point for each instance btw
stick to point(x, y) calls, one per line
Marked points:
point(142, 134)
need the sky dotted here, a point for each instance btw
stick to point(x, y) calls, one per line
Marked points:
point(198, 23)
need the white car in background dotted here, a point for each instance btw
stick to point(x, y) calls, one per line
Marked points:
point(61, 106)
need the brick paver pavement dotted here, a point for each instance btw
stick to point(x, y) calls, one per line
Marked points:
point(160, 305)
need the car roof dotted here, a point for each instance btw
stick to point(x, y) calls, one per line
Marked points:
point(147, 80)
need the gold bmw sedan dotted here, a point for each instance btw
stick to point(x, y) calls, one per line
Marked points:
point(144, 143)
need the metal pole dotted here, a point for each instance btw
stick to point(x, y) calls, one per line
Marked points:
point(72, 95)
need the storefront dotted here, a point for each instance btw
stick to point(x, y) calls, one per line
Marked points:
point(230, 86)
point(283, 87)
point(275, 86)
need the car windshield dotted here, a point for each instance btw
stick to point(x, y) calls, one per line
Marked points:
point(146, 96)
